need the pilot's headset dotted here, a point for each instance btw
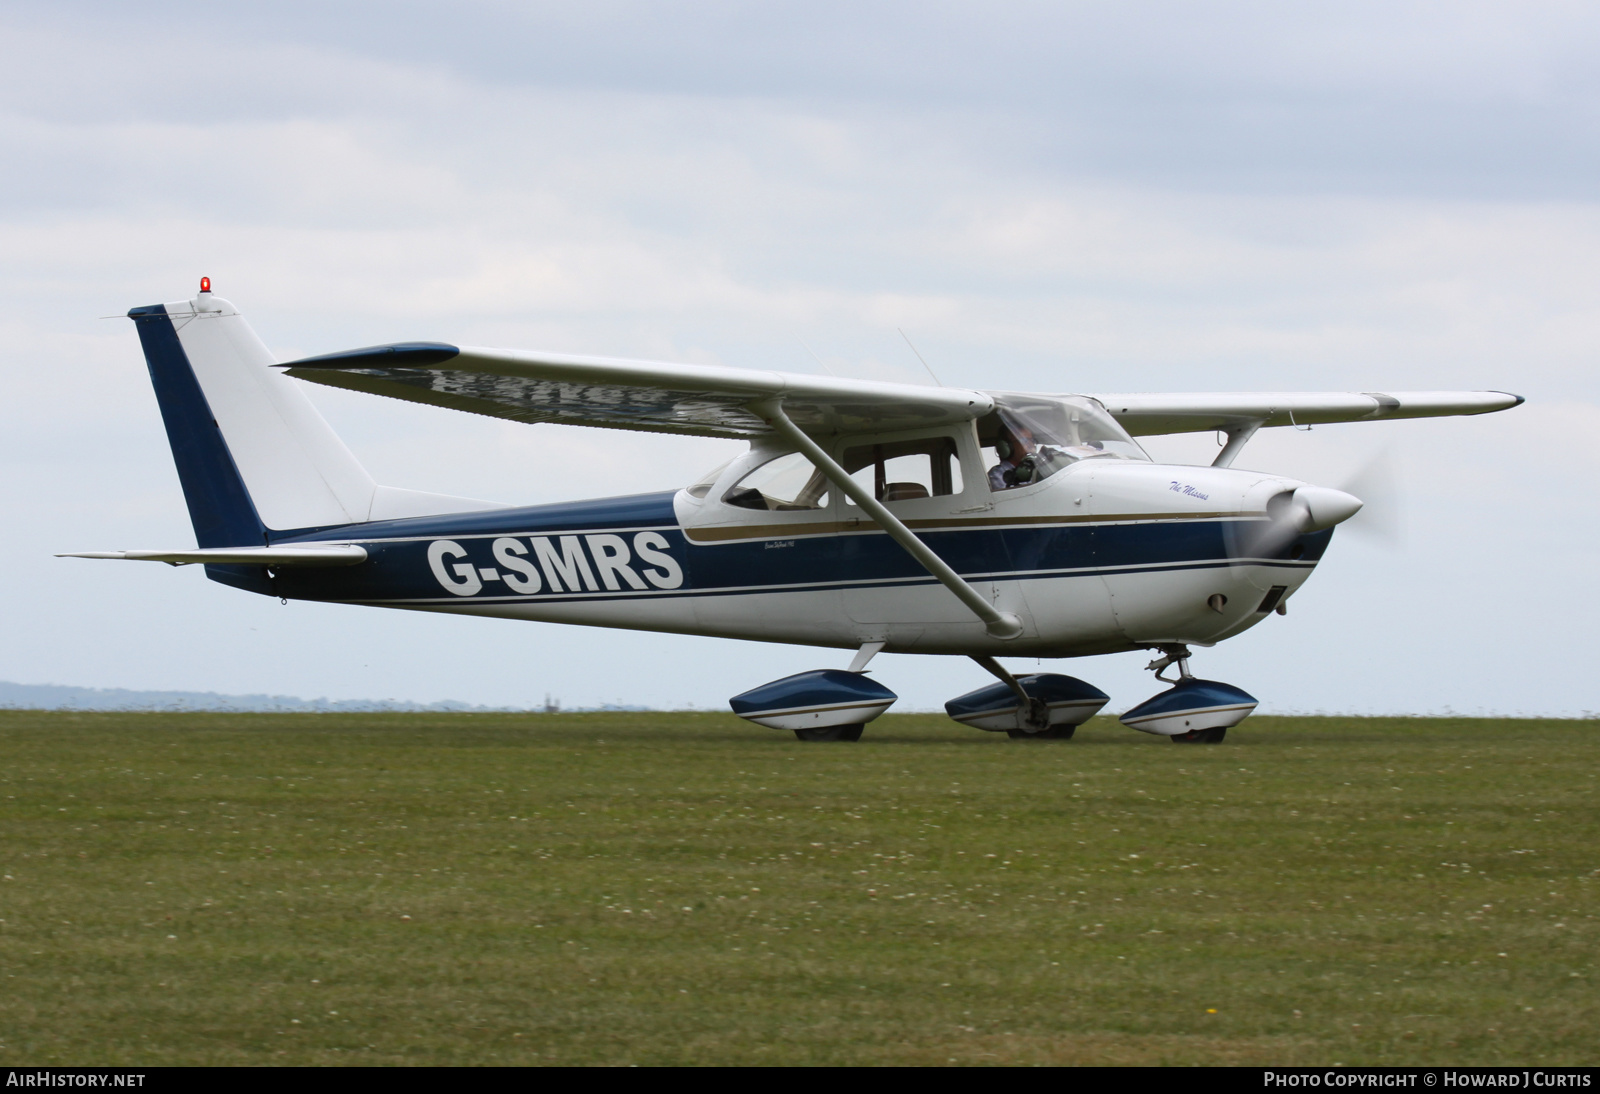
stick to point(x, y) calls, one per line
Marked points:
point(1003, 448)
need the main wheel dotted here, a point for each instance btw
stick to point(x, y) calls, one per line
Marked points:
point(1201, 736)
point(831, 733)
point(1054, 733)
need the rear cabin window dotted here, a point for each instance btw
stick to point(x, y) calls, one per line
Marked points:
point(906, 470)
point(702, 486)
point(786, 484)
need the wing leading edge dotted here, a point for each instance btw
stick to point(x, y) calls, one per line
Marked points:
point(701, 400)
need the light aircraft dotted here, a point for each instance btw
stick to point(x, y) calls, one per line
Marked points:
point(865, 516)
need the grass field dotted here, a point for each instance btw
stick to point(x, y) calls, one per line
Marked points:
point(684, 888)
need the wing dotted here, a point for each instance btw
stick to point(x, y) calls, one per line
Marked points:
point(1147, 414)
point(701, 400)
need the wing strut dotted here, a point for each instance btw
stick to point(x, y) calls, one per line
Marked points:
point(1238, 437)
point(998, 623)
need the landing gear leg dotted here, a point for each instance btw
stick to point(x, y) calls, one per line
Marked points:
point(1172, 655)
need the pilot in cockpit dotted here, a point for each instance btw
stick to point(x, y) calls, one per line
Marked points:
point(1014, 445)
point(1024, 460)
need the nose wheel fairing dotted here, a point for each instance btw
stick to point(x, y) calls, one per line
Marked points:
point(1191, 709)
point(1190, 705)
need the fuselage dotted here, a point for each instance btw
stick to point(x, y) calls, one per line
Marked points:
point(1106, 555)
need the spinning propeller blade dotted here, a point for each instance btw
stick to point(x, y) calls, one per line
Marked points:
point(1376, 483)
point(1291, 515)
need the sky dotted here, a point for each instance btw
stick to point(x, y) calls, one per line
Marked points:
point(1128, 196)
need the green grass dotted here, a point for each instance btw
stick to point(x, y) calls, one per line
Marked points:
point(684, 888)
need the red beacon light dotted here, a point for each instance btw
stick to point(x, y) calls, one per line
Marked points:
point(205, 284)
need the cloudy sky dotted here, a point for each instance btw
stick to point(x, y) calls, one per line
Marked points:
point(1061, 196)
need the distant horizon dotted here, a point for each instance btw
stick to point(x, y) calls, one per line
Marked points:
point(15, 696)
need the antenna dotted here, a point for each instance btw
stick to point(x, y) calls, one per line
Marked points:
point(936, 379)
point(818, 360)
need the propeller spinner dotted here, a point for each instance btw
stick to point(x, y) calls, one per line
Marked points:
point(1293, 513)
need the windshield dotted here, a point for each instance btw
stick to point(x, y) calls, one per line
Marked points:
point(1028, 438)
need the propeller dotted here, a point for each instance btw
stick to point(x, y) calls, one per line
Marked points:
point(1293, 513)
point(1372, 492)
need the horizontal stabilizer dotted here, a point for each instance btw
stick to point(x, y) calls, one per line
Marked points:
point(332, 554)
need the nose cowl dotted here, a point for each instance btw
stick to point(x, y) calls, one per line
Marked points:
point(1319, 507)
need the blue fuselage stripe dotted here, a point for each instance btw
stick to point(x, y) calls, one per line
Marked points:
point(398, 567)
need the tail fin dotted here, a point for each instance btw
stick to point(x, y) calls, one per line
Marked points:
point(254, 456)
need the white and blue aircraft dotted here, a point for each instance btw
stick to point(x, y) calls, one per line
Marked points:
point(865, 516)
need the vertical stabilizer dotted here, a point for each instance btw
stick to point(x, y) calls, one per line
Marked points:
point(219, 506)
point(253, 454)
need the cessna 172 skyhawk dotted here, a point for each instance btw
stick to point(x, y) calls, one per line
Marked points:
point(865, 516)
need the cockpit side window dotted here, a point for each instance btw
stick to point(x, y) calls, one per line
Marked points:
point(1033, 437)
point(785, 484)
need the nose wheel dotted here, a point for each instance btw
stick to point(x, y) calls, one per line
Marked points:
point(831, 733)
point(1052, 733)
point(1200, 736)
